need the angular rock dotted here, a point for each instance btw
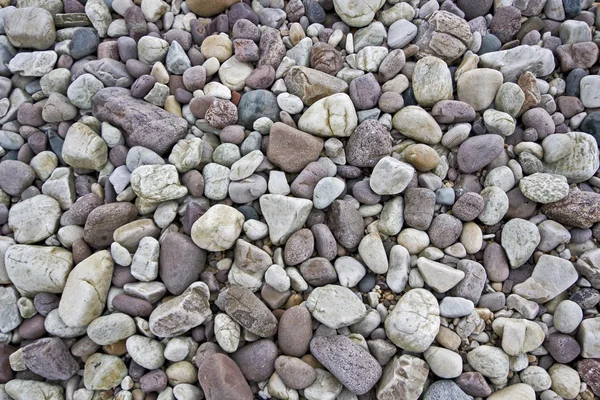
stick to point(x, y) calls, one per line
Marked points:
point(181, 313)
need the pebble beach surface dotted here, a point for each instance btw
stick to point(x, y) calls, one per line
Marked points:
point(299, 199)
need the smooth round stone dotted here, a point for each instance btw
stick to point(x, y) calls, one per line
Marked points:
point(416, 123)
point(496, 205)
point(509, 98)
point(294, 372)
point(401, 33)
point(443, 362)
point(565, 381)
point(431, 81)
point(455, 307)
point(520, 391)
point(567, 316)
point(326, 191)
point(478, 87)
point(536, 377)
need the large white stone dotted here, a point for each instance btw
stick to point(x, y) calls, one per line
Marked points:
point(85, 293)
point(218, 228)
point(284, 215)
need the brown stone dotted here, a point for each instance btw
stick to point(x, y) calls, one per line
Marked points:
point(578, 209)
point(103, 221)
point(295, 331)
point(291, 149)
point(204, 8)
point(221, 379)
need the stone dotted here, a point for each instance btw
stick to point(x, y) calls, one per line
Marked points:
point(249, 265)
point(247, 310)
point(338, 112)
point(99, 15)
point(512, 63)
point(34, 219)
point(565, 381)
point(490, 361)
point(218, 228)
point(563, 348)
point(83, 148)
point(416, 123)
point(357, 14)
point(38, 269)
point(312, 85)
point(50, 358)
point(478, 151)
point(37, 63)
point(391, 176)
point(550, 277)
point(256, 104)
point(19, 35)
point(544, 188)
point(81, 92)
point(444, 389)
point(291, 149)
point(586, 335)
point(146, 352)
point(256, 360)
point(581, 163)
point(180, 263)
point(578, 209)
point(403, 378)
point(413, 324)
point(519, 391)
point(487, 81)
point(8, 306)
point(157, 183)
point(431, 81)
point(518, 335)
point(22, 389)
point(401, 33)
point(161, 129)
point(104, 220)
point(445, 36)
point(223, 380)
point(335, 306)
point(352, 365)
point(294, 372)
point(284, 215)
point(443, 362)
point(438, 276)
point(111, 328)
point(519, 240)
point(368, 144)
point(103, 372)
point(86, 290)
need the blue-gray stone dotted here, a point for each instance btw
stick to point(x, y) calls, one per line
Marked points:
point(256, 104)
point(489, 44)
point(84, 42)
point(573, 80)
point(445, 390)
point(591, 125)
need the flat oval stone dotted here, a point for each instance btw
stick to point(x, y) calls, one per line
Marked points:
point(247, 310)
point(350, 363)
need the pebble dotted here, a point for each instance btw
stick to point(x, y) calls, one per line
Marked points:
point(342, 309)
point(354, 367)
point(410, 330)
